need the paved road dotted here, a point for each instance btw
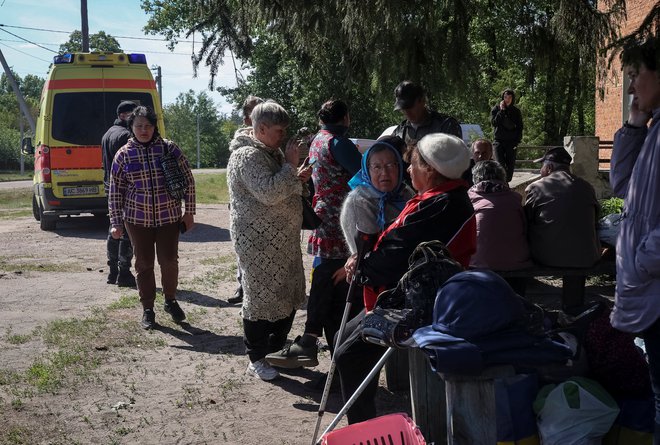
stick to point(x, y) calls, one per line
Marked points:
point(28, 184)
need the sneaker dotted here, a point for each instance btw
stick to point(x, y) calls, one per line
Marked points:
point(112, 276)
point(263, 370)
point(172, 307)
point(126, 278)
point(302, 352)
point(238, 296)
point(148, 319)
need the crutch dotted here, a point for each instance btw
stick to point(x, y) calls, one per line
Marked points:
point(364, 243)
point(373, 373)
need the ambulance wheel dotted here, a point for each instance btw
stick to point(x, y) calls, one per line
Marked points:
point(47, 222)
point(35, 208)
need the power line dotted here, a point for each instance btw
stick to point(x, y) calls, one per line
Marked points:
point(28, 41)
point(23, 52)
point(124, 50)
point(70, 32)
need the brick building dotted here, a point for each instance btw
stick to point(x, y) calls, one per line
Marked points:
point(612, 111)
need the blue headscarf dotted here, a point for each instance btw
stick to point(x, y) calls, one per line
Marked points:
point(363, 179)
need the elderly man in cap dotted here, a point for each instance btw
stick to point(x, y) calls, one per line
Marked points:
point(120, 251)
point(562, 212)
point(420, 120)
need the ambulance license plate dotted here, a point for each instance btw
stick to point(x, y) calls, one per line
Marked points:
point(78, 191)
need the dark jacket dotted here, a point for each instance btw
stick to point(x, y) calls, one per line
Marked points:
point(113, 139)
point(507, 124)
point(436, 123)
point(445, 216)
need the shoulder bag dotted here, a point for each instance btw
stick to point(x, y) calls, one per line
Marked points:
point(176, 182)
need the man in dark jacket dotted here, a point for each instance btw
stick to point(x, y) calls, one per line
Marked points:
point(120, 251)
point(420, 120)
point(508, 127)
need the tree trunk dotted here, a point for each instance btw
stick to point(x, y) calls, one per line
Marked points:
point(573, 81)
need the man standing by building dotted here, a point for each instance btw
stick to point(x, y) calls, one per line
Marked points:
point(562, 212)
point(507, 128)
point(420, 120)
point(635, 177)
point(120, 251)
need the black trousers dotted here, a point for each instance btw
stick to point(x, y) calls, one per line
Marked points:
point(355, 358)
point(505, 154)
point(261, 337)
point(327, 301)
point(120, 251)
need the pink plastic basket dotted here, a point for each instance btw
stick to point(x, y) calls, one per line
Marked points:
point(391, 429)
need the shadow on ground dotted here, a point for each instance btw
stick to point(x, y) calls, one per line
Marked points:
point(202, 340)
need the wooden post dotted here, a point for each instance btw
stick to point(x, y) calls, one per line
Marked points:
point(396, 371)
point(471, 409)
point(427, 397)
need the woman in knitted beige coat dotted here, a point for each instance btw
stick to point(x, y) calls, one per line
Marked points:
point(265, 190)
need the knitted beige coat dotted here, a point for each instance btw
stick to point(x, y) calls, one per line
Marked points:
point(265, 221)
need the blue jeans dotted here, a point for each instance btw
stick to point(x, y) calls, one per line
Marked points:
point(651, 338)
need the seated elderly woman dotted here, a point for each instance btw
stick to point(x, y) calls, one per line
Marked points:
point(441, 210)
point(501, 224)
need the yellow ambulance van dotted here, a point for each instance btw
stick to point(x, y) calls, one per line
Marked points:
point(78, 105)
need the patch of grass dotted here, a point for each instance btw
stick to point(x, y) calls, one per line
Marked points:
point(11, 175)
point(50, 373)
point(211, 188)
point(11, 199)
point(17, 435)
point(13, 264)
point(8, 377)
point(71, 332)
point(18, 339)
point(125, 302)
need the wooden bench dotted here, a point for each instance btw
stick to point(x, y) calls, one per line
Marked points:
point(454, 409)
point(573, 279)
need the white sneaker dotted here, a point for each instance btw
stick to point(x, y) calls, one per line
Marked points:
point(263, 370)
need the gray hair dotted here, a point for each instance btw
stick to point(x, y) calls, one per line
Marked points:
point(269, 113)
point(488, 171)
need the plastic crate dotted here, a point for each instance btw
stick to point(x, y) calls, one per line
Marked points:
point(391, 429)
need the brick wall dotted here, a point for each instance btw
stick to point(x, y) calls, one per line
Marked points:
point(609, 110)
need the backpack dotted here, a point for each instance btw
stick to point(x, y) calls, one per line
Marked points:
point(409, 306)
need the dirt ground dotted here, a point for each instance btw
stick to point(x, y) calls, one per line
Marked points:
point(76, 368)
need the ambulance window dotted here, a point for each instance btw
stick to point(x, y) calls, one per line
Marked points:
point(83, 118)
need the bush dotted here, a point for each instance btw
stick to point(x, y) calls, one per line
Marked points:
point(10, 155)
point(611, 205)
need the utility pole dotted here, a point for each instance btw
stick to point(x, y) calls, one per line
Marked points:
point(17, 92)
point(85, 26)
point(198, 140)
point(159, 82)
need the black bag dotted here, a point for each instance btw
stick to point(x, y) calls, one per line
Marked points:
point(176, 182)
point(409, 306)
point(310, 219)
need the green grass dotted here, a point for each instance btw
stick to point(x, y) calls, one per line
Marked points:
point(125, 302)
point(210, 188)
point(6, 175)
point(14, 264)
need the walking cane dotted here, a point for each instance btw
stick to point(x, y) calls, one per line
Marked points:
point(364, 243)
point(374, 372)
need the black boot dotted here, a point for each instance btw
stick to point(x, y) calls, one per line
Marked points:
point(113, 274)
point(125, 278)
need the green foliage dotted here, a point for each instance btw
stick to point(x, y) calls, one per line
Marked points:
point(465, 52)
point(97, 42)
point(611, 205)
point(182, 119)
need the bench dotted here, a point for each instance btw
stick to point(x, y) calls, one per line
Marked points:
point(573, 279)
point(466, 402)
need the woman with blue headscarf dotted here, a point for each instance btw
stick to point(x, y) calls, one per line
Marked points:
point(379, 191)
